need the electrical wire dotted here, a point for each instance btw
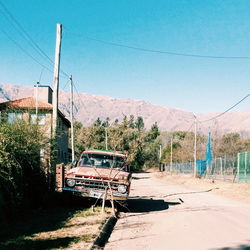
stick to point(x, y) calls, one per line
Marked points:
point(158, 51)
point(221, 114)
point(19, 28)
point(74, 86)
point(66, 84)
point(24, 51)
point(190, 127)
point(24, 34)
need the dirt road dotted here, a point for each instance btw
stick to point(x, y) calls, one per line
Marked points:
point(168, 216)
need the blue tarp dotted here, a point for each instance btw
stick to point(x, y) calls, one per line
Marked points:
point(201, 167)
point(208, 151)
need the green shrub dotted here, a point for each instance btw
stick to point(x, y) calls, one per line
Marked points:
point(22, 179)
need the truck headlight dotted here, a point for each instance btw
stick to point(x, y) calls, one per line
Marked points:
point(122, 188)
point(70, 182)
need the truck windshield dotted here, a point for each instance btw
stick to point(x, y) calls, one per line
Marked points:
point(101, 161)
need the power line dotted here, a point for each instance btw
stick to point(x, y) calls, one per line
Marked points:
point(217, 116)
point(78, 95)
point(19, 28)
point(24, 34)
point(27, 53)
point(66, 84)
point(159, 51)
point(190, 127)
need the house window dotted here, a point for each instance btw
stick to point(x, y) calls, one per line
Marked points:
point(40, 118)
point(12, 117)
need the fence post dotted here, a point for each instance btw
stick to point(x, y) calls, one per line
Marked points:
point(238, 167)
point(224, 167)
point(221, 167)
point(59, 177)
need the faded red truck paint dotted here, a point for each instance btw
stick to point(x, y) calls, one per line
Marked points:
point(98, 172)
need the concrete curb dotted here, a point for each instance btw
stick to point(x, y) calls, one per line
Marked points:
point(105, 233)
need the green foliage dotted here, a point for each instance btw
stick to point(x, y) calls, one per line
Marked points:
point(182, 146)
point(230, 144)
point(21, 177)
point(128, 136)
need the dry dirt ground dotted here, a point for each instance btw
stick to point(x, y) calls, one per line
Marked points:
point(240, 192)
point(180, 212)
point(54, 228)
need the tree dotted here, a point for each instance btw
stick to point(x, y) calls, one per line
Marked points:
point(183, 146)
point(131, 122)
point(230, 144)
point(139, 124)
point(22, 178)
point(127, 136)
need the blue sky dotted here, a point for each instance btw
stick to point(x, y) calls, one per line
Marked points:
point(208, 27)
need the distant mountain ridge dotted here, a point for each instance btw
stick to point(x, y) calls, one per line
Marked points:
point(89, 107)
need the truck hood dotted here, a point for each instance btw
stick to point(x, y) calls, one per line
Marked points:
point(98, 173)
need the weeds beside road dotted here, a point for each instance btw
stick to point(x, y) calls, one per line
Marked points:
point(60, 227)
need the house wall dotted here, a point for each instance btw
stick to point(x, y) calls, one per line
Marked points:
point(46, 129)
point(62, 141)
point(43, 93)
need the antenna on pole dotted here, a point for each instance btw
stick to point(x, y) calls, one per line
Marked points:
point(71, 118)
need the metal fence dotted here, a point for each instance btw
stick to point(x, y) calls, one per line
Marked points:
point(222, 169)
point(227, 169)
point(178, 168)
point(243, 167)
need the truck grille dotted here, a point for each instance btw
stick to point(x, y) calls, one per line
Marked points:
point(92, 184)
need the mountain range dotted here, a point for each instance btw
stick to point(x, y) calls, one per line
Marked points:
point(87, 108)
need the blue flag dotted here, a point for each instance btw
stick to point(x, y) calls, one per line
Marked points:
point(208, 150)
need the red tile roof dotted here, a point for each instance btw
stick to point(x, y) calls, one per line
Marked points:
point(27, 103)
point(30, 103)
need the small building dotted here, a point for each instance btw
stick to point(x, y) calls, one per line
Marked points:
point(39, 110)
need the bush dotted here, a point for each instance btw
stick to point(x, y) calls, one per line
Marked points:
point(22, 179)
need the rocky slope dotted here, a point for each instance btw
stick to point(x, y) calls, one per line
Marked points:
point(89, 107)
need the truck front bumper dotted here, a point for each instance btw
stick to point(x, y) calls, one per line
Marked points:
point(98, 194)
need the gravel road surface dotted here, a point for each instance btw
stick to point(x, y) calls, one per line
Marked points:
point(168, 216)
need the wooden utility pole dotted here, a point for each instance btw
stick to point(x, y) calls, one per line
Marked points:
point(195, 143)
point(71, 119)
point(160, 154)
point(37, 101)
point(56, 77)
point(171, 156)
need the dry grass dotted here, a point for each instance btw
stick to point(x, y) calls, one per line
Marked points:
point(77, 231)
point(236, 191)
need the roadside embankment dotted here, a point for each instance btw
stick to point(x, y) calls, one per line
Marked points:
point(236, 191)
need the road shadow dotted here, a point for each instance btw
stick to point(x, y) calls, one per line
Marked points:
point(39, 244)
point(139, 178)
point(146, 205)
point(240, 247)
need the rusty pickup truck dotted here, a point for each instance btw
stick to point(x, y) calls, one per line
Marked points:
point(99, 173)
